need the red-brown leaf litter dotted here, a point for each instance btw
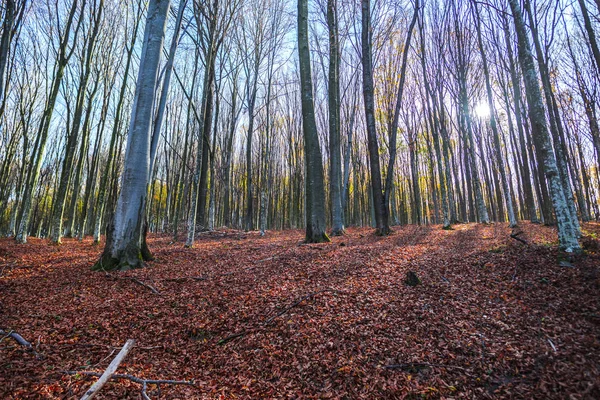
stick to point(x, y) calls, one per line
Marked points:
point(246, 316)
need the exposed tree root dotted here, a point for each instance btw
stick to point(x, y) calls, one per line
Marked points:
point(130, 278)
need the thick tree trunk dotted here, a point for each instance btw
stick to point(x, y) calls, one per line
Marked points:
point(168, 71)
point(335, 161)
point(112, 157)
point(379, 207)
point(124, 245)
point(567, 232)
point(314, 185)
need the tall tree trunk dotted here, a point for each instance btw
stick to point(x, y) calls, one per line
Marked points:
point(71, 145)
point(124, 241)
point(587, 23)
point(567, 233)
point(379, 207)
point(516, 88)
point(335, 161)
point(314, 185)
point(64, 54)
point(496, 135)
point(112, 157)
point(168, 70)
point(556, 126)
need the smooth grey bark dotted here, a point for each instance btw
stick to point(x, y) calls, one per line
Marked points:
point(380, 210)
point(335, 159)
point(496, 135)
point(567, 232)
point(124, 240)
point(168, 71)
point(516, 91)
point(443, 173)
point(56, 231)
point(348, 153)
point(314, 185)
point(228, 154)
point(556, 126)
point(591, 34)
point(393, 133)
point(251, 92)
point(64, 54)
point(110, 162)
point(202, 151)
point(212, 178)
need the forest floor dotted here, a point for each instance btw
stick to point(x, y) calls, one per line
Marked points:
point(245, 316)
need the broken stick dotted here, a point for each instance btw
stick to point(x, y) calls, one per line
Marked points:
point(19, 339)
point(141, 381)
point(108, 373)
point(296, 303)
point(136, 280)
point(516, 237)
point(152, 288)
point(416, 366)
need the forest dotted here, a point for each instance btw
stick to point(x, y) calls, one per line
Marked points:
point(309, 199)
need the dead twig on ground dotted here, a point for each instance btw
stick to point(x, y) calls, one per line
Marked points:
point(515, 235)
point(231, 337)
point(271, 319)
point(20, 340)
point(141, 381)
point(152, 288)
point(416, 366)
point(108, 373)
point(136, 280)
point(296, 303)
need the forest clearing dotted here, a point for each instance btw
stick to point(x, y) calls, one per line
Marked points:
point(245, 316)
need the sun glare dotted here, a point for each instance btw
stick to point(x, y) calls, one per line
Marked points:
point(482, 110)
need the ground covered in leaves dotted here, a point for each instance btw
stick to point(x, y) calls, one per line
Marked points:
point(245, 316)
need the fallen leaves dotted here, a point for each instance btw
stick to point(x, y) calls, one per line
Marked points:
point(266, 318)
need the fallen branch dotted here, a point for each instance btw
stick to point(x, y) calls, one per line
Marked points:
point(516, 237)
point(20, 340)
point(419, 366)
point(231, 337)
point(274, 256)
point(152, 288)
point(131, 278)
point(185, 278)
point(285, 310)
point(141, 381)
point(108, 373)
